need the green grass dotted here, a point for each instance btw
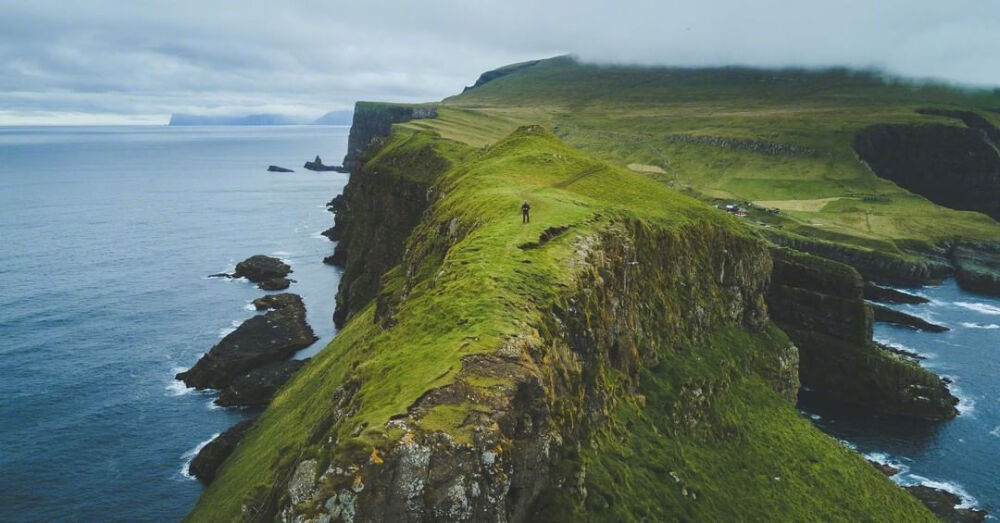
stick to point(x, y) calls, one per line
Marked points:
point(636, 115)
point(468, 290)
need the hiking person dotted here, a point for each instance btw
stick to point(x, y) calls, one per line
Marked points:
point(525, 212)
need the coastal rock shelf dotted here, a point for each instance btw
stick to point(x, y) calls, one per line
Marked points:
point(269, 338)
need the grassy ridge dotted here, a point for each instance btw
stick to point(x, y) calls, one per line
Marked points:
point(786, 133)
point(469, 289)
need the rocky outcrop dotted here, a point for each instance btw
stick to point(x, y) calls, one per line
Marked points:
point(268, 273)
point(953, 166)
point(886, 295)
point(977, 266)
point(372, 119)
point(886, 315)
point(211, 456)
point(945, 505)
point(820, 305)
point(269, 338)
point(318, 165)
point(276, 169)
point(258, 386)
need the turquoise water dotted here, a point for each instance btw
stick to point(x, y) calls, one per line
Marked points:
point(108, 234)
point(961, 455)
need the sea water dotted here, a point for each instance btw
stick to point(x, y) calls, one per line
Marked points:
point(107, 236)
point(960, 455)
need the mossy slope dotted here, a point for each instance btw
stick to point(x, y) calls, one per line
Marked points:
point(619, 369)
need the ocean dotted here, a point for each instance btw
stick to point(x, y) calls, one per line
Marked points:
point(108, 235)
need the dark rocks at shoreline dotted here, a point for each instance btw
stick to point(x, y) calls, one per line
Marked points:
point(258, 386)
point(319, 166)
point(944, 504)
point(337, 204)
point(268, 273)
point(268, 338)
point(886, 295)
point(902, 352)
point(337, 259)
point(211, 456)
point(887, 315)
point(884, 468)
point(276, 169)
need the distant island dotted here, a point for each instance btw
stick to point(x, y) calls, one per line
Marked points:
point(339, 117)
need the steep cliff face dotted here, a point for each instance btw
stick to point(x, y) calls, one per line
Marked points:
point(613, 360)
point(382, 202)
point(952, 166)
point(820, 305)
point(373, 119)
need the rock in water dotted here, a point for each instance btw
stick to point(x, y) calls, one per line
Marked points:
point(887, 315)
point(276, 169)
point(258, 386)
point(883, 294)
point(211, 456)
point(944, 504)
point(261, 340)
point(317, 165)
point(268, 273)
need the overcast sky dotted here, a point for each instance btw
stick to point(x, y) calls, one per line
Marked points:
point(139, 61)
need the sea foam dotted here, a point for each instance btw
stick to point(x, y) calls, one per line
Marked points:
point(189, 455)
point(967, 501)
point(969, 325)
point(984, 308)
point(177, 387)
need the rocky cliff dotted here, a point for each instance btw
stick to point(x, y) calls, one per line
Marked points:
point(614, 360)
point(373, 119)
point(958, 167)
point(820, 305)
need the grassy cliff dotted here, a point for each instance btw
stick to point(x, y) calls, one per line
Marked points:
point(612, 360)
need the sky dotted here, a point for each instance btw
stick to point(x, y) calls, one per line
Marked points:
point(138, 61)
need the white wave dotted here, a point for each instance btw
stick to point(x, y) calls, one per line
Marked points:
point(967, 501)
point(899, 346)
point(229, 330)
point(177, 387)
point(996, 431)
point(212, 406)
point(250, 307)
point(969, 325)
point(815, 417)
point(983, 308)
point(884, 459)
point(965, 404)
point(848, 444)
point(280, 254)
point(189, 455)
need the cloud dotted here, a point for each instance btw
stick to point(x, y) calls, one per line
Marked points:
point(145, 60)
